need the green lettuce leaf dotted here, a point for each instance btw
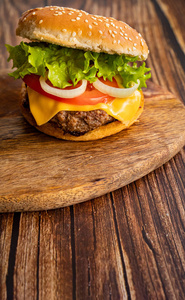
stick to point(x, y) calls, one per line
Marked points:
point(67, 66)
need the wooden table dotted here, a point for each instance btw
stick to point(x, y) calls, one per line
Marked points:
point(128, 244)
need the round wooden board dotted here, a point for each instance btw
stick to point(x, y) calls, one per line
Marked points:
point(39, 172)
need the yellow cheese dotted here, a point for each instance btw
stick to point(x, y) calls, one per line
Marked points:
point(44, 108)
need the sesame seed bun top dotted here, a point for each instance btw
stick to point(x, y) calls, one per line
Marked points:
point(74, 28)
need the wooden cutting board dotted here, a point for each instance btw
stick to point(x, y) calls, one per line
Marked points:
point(38, 172)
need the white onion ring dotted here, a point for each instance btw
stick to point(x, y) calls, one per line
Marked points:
point(115, 92)
point(62, 93)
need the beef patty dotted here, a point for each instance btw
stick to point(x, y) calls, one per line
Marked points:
point(78, 122)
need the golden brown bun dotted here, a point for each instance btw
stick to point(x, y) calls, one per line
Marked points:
point(77, 29)
point(98, 133)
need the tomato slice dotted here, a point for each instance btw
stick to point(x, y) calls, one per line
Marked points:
point(90, 97)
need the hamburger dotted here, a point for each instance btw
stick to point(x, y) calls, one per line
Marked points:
point(82, 73)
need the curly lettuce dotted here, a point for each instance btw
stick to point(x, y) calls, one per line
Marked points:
point(67, 66)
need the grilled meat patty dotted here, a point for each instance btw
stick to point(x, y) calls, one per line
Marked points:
point(79, 122)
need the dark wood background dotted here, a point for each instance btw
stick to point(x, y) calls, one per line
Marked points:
point(128, 244)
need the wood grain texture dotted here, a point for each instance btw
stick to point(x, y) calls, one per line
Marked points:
point(175, 16)
point(39, 172)
point(6, 222)
point(128, 244)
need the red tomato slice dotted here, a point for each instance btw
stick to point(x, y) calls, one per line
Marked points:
point(90, 97)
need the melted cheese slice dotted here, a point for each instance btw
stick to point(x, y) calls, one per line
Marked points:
point(44, 109)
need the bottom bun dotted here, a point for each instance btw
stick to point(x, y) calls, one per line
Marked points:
point(52, 129)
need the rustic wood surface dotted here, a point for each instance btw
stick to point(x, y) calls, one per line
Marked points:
point(128, 244)
point(38, 172)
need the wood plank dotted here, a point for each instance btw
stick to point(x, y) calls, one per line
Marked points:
point(6, 223)
point(55, 255)
point(97, 253)
point(43, 262)
point(25, 270)
point(154, 247)
point(167, 59)
point(175, 11)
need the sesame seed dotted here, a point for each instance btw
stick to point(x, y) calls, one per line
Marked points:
point(51, 8)
point(142, 43)
point(90, 33)
point(101, 32)
point(114, 42)
point(125, 26)
point(73, 20)
point(86, 21)
point(136, 37)
point(74, 33)
point(60, 13)
point(126, 38)
point(113, 35)
point(107, 25)
point(56, 14)
point(135, 44)
point(130, 39)
point(120, 27)
point(78, 18)
point(93, 18)
point(125, 34)
point(90, 26)
point(100, 20)
point(24, 19)
point(64, 30)
point(110, 31)
point(113, 24)
point(118, 41)
point(115, 31)
point(70, 13)
point(139, 34)
point(95, 23)
point(33, 13)
point(79, 32)
point(40, 21)
point(121, 33)
point(80, 14)
point(134, 48)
